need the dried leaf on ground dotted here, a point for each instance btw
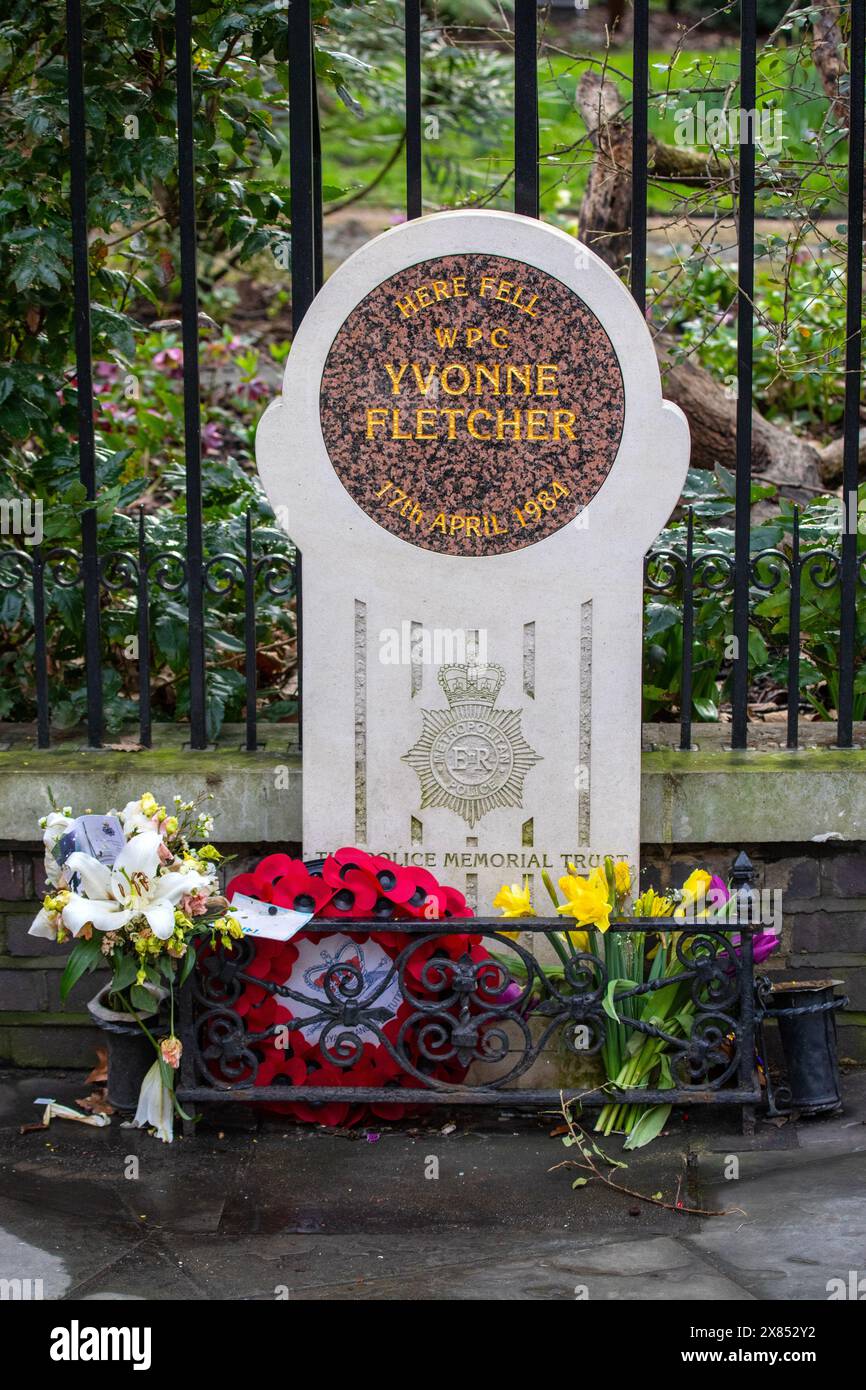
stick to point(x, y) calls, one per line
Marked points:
point(96, 1103)
point(100, 1071)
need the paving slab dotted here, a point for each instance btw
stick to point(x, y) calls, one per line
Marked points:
point(464, 1206)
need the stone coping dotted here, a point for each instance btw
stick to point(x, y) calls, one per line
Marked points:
point(710, 795)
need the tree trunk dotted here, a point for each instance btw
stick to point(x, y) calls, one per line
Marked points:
point(778, 456)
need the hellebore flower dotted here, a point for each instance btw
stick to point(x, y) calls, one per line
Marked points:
point(132, 887)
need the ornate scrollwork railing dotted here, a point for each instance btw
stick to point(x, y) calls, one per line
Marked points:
point(462, 1017)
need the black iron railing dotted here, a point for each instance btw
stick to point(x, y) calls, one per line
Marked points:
point(742, 575)
point(456, 1017)
point(436, 1013)
point(681, 575)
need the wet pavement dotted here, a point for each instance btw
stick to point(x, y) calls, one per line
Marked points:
point(273, 1210)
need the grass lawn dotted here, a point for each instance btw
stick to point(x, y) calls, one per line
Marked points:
point(468, 142)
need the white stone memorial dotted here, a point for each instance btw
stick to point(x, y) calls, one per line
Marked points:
point(473, 456)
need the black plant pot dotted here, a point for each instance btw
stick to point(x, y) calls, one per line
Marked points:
point(130, 1051)
point(130, 1057)
point(805, 1012)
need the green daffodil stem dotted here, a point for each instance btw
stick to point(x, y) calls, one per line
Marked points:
point(548, 883)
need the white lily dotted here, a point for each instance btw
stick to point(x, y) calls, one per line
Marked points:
point(56, 825)
point(133, 819)
point(155, 1107)
point(44, 924)
point(132, 887)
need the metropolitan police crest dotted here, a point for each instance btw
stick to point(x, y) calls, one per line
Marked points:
point(471, 757)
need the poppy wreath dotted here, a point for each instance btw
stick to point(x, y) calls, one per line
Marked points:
point(353, 885)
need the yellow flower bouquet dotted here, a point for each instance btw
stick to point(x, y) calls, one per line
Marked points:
point(633, 1059)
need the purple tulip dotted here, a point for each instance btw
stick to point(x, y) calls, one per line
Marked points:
point(510, 994)
point(764, 943)
point(717, 893)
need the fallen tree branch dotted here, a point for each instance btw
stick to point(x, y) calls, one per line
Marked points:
point(586, 1147)
point(793, 463)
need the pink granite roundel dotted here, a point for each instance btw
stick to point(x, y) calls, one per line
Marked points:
point(472, 404)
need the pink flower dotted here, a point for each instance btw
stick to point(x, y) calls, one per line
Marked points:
point(211, 437)
point(165, 854)
point(170, 1050)
point(194, 904)
point(167, 356)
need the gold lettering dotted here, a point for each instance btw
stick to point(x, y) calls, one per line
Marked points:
point(473, 416)
point(536, 420)
point(543, 387)
point(396, 377)
point(502, 424)
point(455, 367)
point(423, 383)
point(445, 337)
point(396, 432)
point(492, 375)
point(523, 375)
point(425, 419)
point(562, 422)
point(452, 420)
point(374, 423)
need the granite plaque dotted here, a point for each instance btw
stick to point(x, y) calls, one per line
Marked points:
point(473, 455)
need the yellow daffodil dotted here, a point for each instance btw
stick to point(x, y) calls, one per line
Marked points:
point(622, 877)
point(514, 901)
point(578, 939)
point(653, 904)
point(586, 900)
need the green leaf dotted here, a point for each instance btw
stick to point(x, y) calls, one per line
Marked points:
point(608, 1003)
point(187, 966)
point(648, 1127)
point(580, 1182)
point(142, 1000)
point(84, 956)
point(124, 973)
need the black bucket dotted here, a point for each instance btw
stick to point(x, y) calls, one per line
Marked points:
point(131, 1054)
point(805, 1011)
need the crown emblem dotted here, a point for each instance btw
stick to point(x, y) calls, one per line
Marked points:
point(470, 757)
point(476, 684)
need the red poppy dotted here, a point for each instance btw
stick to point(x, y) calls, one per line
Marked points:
point(355, 885)
point(284, 882)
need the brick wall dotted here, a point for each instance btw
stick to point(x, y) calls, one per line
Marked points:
point(823, 901)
